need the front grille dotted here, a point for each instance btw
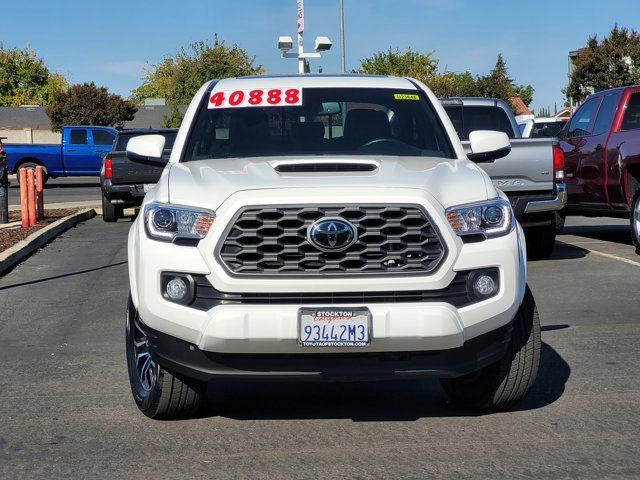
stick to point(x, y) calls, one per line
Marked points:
point(390, 239)
point(457, 293)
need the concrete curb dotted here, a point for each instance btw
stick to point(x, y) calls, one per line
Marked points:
point(24, 248)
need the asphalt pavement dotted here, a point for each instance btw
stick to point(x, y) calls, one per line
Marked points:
point(66, 409)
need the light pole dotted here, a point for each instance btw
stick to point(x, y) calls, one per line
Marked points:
point(285, 43)
point(342, 55)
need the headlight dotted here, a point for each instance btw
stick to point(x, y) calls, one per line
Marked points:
point(168, 222)
point(490, 219)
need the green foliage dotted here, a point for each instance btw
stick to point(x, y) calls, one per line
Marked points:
point(86, 104)
point(178, 78)
point(612, 62)
point(497, 84)
point(25, 79)
point(451, 84)
point(393, 62)
point(173, 120)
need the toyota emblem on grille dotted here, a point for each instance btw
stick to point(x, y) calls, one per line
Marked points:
point(331, 234)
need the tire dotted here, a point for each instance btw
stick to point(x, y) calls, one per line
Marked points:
point(635, 221)
point(157, 393)
point(540, 241)
point(31, 166)
point(560, 219)
point(110, 212)
point(501, 385)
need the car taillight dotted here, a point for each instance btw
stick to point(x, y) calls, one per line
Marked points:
point(558, 164)
point(108, 167)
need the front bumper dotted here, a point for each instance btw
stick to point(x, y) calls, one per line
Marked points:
point(184, 358)
point(264, 328)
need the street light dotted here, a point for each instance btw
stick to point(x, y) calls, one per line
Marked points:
point(285, 43)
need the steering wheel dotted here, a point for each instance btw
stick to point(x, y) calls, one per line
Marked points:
point(380, 140)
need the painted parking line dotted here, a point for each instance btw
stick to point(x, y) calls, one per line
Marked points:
point(614, 257)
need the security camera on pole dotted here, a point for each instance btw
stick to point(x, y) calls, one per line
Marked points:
point(285, 43)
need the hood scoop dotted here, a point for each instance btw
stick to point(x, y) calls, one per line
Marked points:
point(325, 166)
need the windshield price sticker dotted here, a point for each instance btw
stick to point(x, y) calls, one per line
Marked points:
point(257, 97)
point(406, 96)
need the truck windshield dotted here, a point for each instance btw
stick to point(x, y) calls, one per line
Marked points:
point(329, 121)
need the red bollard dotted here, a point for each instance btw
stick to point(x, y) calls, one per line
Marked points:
point(24, 198)
point(39, 193)
point(31, 194)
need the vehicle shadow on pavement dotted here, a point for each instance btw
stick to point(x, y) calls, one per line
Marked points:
point(565, 251)
point(400, 400)
point(608, 233)
point(63, 275)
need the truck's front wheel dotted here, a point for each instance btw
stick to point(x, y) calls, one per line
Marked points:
point(157, 393)
point(540, 241)
point(504, 383)
point(635, 221)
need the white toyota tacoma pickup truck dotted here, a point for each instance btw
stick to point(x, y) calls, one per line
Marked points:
point(326, 228)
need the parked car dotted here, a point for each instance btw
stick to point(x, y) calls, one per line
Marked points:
point(277, 247)
point(541, 127)
point(601, 143)
point(532, 175)
point(123, 182)
point(80, 153)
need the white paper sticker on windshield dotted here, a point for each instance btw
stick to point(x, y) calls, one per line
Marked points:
point(257, 97)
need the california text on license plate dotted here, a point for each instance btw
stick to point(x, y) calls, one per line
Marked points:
point(334, 327)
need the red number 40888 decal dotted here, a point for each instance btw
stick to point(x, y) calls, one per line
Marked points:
point(258, 97)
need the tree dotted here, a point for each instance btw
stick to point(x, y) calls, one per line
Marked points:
point(451, 84)
point(25, 79)
point(612, 62)
point(178, 78)
point(86, 104)
point(173, 120)
point(498, 84)
point(393, 62)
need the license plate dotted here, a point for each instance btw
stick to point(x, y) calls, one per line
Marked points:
point(334, 327)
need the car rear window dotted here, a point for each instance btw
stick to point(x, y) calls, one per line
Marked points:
point(123, 139)
point(546, 129)
point(468, 118)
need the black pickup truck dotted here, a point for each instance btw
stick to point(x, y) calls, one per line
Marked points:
point(124, 183)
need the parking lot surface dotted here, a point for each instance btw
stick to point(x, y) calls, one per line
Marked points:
point(66, 408)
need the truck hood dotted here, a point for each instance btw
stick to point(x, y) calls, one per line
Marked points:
point(208, 183)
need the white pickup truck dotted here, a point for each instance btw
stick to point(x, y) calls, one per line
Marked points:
point(326, 228)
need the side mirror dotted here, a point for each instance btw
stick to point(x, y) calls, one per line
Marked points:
point(147, 149)
point(488, 145)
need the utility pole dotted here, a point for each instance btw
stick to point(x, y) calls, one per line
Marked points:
point(342, 47)
point(285, 43)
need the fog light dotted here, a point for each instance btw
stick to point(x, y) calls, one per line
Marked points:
point(177, 289)
point(484, 285)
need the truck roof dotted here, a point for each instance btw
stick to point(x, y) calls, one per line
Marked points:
point(310, 80)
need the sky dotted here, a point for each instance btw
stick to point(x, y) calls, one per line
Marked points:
point(113, 42)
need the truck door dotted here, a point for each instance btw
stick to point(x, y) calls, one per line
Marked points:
point(102, 141)
point(593, 164)
point(574, 141)
point(76, 150)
